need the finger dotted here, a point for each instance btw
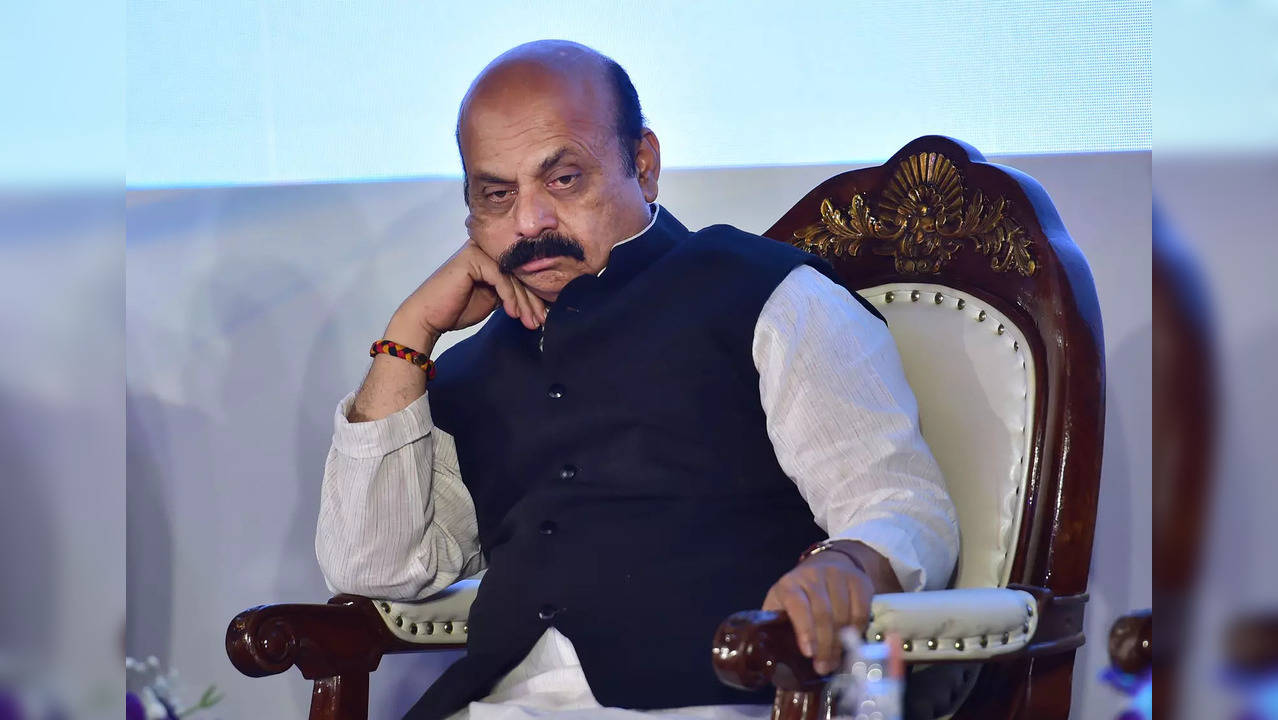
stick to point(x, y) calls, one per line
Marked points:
point(534, 313)
point(796, 606)
point(506, 290)
point(826, 653)
point(521, 301)
point(836, 586)
point(526, 312)
point(772, 602)
point(861, 596)
point(538, 305)
point(489, 273)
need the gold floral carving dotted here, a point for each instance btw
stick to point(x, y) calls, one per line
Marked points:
point(922, 218)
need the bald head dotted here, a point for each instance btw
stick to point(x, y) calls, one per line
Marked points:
point(567, 69)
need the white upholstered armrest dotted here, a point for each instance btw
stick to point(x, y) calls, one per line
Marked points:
point(965, 624)
point(440, 619)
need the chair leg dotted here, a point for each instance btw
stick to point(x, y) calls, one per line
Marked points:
point(341, 697)
point(1051, 679)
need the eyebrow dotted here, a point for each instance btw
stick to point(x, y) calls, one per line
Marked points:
point(489, 178)
point(546, 165)
point(553, 160)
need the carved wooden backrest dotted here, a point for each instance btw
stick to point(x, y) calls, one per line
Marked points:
point(995, 315)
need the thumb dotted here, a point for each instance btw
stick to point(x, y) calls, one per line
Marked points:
point(771, 603)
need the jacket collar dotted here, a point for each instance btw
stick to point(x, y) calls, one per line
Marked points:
point(633, 255)
point(627, 259)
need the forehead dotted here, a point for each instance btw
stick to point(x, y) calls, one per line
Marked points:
point(515, 121)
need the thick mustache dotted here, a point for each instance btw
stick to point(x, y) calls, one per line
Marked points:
point(546, 245)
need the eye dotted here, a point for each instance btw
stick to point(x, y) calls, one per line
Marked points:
point(564, 181)
point(498, 195)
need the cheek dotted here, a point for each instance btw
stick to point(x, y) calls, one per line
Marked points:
point(495, 249)
point(487, 234)
point(488, 242)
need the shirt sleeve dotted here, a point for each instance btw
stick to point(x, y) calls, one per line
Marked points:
point(844, 425)
point(395, 520)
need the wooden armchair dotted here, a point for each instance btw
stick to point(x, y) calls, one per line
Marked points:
point(994, 313)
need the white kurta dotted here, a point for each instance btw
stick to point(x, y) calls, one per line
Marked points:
point(397, 522)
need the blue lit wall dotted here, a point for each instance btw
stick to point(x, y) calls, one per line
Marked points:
point(279, 91)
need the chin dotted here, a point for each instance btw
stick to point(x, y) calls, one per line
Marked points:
point(548, 283)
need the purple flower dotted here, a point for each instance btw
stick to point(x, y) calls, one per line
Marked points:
point(10, 709)
point(133, 708)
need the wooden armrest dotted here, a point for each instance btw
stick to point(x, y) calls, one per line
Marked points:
point(347, 635)
point(755, 648)
point(1131, 642)
point(337, 645)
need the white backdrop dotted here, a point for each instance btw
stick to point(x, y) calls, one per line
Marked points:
point(275, 91)
point(249, 314)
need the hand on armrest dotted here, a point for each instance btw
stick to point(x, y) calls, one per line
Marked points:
point(755, 647)
point(830, 590)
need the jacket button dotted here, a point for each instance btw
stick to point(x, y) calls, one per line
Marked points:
point(547, 612)
point(548, 528)
point(555, 391)
point(567, 472)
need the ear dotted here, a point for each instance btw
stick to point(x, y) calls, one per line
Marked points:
point(648, 164)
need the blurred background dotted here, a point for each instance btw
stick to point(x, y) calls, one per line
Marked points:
point(291, 175)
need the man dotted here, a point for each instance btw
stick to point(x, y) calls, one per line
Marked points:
point(642, 441)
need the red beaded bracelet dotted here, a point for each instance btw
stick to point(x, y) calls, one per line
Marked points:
point(421, 360)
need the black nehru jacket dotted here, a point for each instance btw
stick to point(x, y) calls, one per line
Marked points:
point(626, 489)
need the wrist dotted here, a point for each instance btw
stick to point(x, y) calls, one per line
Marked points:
point(845, 552)
point(412, 333)
point(869, 561)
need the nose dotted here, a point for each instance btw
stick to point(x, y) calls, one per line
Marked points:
point(534, 213)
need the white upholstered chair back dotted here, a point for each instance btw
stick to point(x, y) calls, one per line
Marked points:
point(973, 376)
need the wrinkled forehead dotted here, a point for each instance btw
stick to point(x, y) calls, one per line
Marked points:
point(520, 106)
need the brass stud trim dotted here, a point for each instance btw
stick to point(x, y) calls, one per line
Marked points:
point(878, 637)
point(931, 644)
point(448, 628)
point(980, 316)
point(889, 297)
point(985, 642)
point(907, 646)
point(939, 297)
point(1025, 629)
point(1006, 637)
point(386, 607)
point(914, 296)
point(1029, 610)
point(962, 303)
point(1016, 345)
point(430, 628)
point(413, 628)
point(466, 627)
point(958, 645)
point(399, 621)
point(1000, 328)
